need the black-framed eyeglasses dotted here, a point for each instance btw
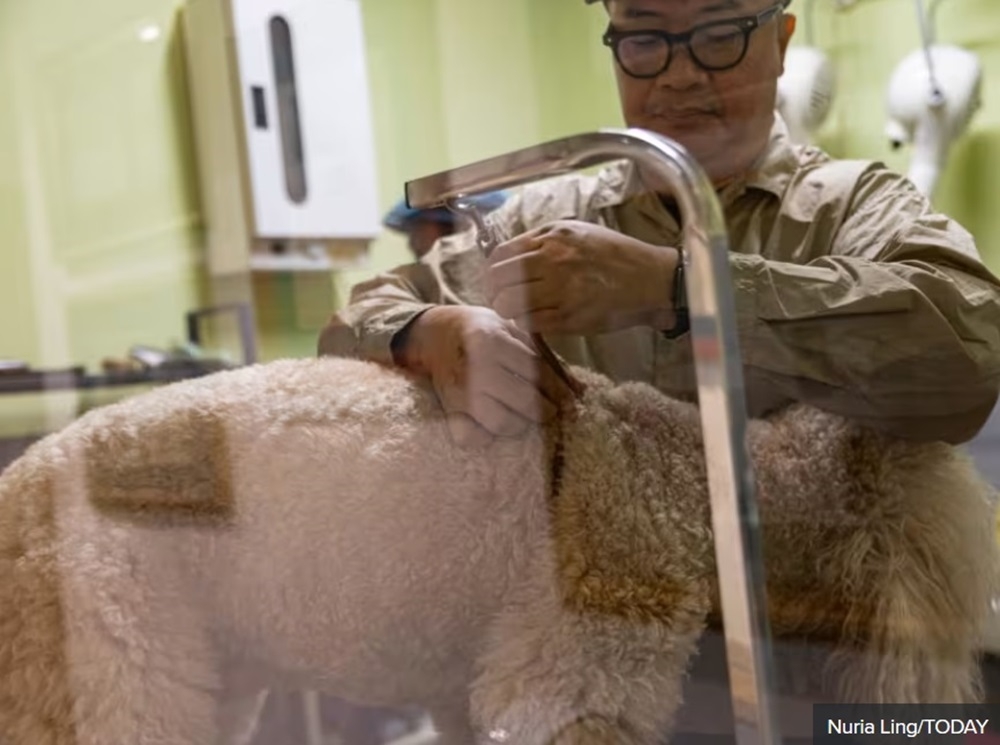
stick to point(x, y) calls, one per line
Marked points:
point(713, 46)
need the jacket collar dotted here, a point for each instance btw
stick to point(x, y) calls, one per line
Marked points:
point(771, 173)
point(776, 165)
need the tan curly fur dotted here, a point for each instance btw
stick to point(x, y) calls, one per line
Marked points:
point(310, 522)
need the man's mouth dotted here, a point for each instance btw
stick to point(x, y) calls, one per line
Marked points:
point(683, 114)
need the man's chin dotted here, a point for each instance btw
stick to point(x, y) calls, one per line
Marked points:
point(711, 153)
point(705, 138)
point(697, 134)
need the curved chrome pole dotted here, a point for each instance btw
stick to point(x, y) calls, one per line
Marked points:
point(719, 370)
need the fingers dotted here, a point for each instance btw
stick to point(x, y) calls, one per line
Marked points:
point(523, 300)
point(524, 399)
point(489, 371)
point(524, 267)
point(527, 363)
point(534, 373)
point(466, 433)
point(499, 401)
point(497, 418)
point(547, 320)
point(526, 277)
point(485, 420)
point(523, 243)
point(519, 356)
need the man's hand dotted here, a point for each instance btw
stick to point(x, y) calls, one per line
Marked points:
point(487, 374)
point(572, 277)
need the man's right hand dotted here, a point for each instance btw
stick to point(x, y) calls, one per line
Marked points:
point(487, 374)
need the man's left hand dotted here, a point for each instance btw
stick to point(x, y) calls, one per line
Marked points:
point(573, 277)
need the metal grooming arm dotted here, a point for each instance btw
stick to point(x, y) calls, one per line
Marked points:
point(719, 372)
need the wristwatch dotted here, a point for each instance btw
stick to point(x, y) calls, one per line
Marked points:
point(682, 320)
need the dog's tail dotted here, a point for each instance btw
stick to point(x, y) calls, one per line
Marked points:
point(934, 558)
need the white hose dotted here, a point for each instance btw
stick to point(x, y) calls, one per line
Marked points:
point(927, 36)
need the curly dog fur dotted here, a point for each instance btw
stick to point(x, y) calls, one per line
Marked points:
point(310, 522)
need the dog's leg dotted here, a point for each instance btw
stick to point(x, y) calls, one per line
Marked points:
point(152, 687)
point(239, 716)
point(594, 731)
point(452, 724)
point(141, 664)
point(96, 650)
point(559, 670)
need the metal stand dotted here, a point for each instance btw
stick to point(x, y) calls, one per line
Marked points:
point(720, 378)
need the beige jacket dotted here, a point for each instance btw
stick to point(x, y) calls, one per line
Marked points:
point(851, 293)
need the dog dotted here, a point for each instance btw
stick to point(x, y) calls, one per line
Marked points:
point(309, 523)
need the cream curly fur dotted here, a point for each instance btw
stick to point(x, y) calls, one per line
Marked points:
point(309, 522)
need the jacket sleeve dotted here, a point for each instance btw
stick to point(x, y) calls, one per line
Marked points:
point(452, 272)
point(383, 306)
point(898, 327)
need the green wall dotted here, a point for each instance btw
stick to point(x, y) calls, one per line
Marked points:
point(866, 41)
point(100, 239)
point(100, 231)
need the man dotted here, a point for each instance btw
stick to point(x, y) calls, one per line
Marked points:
point(851, 293)
point(423, 228)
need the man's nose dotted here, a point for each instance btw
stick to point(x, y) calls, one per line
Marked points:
point(683, 72)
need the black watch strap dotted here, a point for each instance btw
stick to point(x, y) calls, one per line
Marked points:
point(682, 321)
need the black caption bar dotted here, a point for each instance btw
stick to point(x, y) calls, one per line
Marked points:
point(915, 724)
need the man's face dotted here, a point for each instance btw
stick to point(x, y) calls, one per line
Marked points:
point(723, 118)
